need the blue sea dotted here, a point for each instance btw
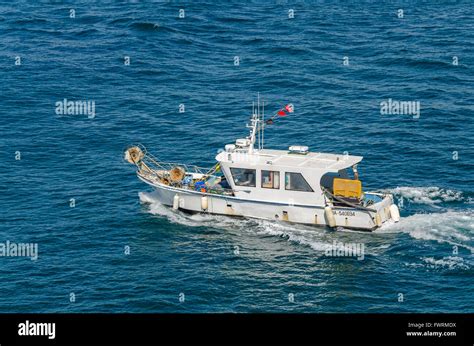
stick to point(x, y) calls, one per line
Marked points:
point(182, 84)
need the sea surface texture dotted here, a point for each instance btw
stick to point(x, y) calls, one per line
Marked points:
point(180, 79)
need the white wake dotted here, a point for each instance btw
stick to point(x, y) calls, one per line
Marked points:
point(451, 227)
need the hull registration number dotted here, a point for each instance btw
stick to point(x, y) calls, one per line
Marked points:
point(344, 212)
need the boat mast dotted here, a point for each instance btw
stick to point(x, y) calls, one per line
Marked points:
point(257, 126)
point(263, 122)
point(259, 135)
point(254, 126)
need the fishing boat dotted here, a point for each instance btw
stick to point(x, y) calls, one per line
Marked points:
point(294, 185)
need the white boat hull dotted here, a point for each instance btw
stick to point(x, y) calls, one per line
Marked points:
point(347, 217)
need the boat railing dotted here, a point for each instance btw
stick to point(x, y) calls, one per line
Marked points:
point(154, 163)
point(154, 170)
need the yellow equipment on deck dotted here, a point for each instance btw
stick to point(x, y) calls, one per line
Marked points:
point(347, 188)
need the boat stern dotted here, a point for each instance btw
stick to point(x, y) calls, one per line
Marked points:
point(384, 208)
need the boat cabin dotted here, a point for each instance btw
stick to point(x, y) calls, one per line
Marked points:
point(297, 175)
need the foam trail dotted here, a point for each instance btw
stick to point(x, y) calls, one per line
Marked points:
point(301, 234)
point(146, 197)
point(449, 262)
point(455, 228)
point(430, 195)
point(156, 208)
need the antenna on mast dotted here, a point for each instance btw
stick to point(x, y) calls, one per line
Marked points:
point(256, 132)
point(263, 122)
point(259, 135)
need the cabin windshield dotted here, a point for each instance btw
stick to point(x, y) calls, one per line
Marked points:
point(244, 176)
point(296, 182)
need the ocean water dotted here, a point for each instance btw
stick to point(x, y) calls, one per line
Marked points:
point(202, 263)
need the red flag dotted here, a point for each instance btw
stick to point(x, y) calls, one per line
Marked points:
point(289, 108)
point(281, 113)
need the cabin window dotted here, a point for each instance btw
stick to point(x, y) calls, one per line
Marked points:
point(296, 182)
point(270, 179)
point(243, 176)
